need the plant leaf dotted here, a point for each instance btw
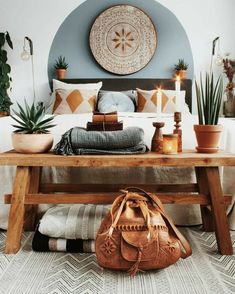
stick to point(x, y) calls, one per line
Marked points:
point(8, 39)
point(209, 99)
point(2, 39)
point(199, 103)
point(31, 119)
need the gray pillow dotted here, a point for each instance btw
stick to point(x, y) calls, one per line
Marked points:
point(116, 101)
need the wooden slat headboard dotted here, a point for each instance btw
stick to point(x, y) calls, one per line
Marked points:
point(120, 84)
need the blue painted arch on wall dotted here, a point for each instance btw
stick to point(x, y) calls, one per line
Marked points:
point(72, 41)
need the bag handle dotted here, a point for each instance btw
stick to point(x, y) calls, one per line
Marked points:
point(184, 243)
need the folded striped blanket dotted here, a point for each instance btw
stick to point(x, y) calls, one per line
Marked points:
point(79, 141)
point(44, 243)
point(77, 221)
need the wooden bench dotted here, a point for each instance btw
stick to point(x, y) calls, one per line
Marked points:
point(27, 189)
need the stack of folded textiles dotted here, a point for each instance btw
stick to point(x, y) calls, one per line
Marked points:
point(70, 228)
point(105, 122)
point(78, 141)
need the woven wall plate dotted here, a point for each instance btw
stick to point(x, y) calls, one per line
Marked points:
point(123, 39)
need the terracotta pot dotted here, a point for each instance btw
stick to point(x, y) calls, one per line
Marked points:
point(60, 73)
point(32, 143)
point(181, 73)
point(4, 113)
point(208, 137)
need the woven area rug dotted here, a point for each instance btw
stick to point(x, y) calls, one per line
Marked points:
point(44, 273)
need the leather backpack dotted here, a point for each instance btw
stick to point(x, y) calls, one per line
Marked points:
point(138, 235)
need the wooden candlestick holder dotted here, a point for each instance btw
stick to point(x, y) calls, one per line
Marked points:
point(157, 139)
point(177, 130)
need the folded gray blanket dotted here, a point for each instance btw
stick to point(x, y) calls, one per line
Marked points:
point(78, 141)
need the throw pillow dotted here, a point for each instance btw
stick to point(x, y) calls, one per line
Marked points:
point(146, 100)
point(74, 98)
point(132, 94)
point(169, 102)
point(116, 101)
point(61, 85)
point(74, 101)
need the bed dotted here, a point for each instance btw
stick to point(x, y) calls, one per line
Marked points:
point(182, 215)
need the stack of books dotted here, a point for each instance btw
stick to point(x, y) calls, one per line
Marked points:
point(105, 122)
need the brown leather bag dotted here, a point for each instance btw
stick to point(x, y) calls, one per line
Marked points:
point(138, 235)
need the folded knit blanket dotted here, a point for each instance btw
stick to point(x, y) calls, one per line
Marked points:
point(79, 141)
point(77, 221)
point(44, 243)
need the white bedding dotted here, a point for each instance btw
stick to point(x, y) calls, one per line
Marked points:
point(181, 214)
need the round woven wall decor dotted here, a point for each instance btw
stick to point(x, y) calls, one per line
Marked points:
point(123, 39)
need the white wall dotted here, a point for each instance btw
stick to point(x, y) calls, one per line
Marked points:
point(203, 20)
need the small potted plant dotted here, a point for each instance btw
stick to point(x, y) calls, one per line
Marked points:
point(61, 66)
point(32, 130)
point(5, 79)
point(181, 68)
point(209, 98)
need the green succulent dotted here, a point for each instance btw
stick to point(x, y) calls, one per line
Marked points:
point(209, 98)
point(5, 69)
point(61, 63)
point(31, 120)
point(181, 65)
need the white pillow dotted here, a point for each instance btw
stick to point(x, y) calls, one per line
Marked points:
point(86, 91)
point(80, 100)
point(61, 85)
point(169, 102)
point(147, 101)
point(115, 101)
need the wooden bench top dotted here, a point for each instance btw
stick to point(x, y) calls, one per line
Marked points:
point(150, 159)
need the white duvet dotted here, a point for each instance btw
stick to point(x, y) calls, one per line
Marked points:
point(183, 215)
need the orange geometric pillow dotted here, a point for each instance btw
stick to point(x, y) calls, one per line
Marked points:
point(146, 100)
point(169, 102)
point(69, 101)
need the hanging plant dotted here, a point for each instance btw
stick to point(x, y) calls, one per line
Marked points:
point(5, 79)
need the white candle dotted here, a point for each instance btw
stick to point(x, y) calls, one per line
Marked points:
point(177, 90)
point(159, 101)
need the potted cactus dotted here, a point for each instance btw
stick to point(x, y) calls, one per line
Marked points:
point(181, 68)
point(32, 129)
point(61, 66)
point(5, 79)
point(209, 98)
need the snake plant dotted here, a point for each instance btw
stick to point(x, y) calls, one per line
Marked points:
point(209, 98)
point(32, 120)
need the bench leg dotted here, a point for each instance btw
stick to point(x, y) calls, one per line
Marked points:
point(16, 216)
point(207, 217)
point(219, 212)
point(31, 210)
